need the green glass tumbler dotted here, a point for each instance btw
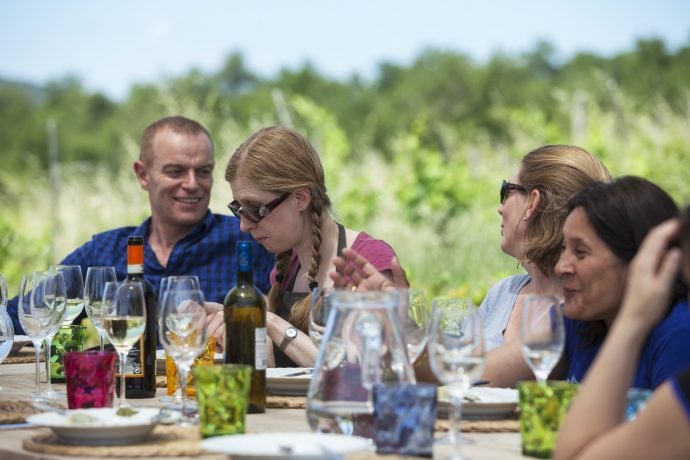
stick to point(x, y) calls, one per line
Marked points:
point(542, 407)
point(67, 339)
point(222, 391)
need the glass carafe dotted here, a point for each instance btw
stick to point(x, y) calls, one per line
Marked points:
point(362, 346)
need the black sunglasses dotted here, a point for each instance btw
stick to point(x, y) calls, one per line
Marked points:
point(256, 214)
point(506, 188)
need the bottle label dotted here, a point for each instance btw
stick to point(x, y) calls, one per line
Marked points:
point(135, 268)
point(260, 349)
point(133, 366)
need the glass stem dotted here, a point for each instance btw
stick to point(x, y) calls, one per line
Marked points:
point(182, 377)
point(48, 345)
point(123, 359)
point(101, 337)
point(455, 411)
point(178, 388)
point(37, 349)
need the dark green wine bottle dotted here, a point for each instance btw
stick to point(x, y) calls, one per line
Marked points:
point(245, 327)
point(140, 371)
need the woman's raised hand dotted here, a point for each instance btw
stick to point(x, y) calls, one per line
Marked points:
point(652, 274)
point(354, 270)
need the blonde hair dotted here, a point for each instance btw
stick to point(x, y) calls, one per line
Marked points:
point(280, 160)
point(558, 172)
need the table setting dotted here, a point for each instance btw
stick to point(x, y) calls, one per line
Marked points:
point(286, 429)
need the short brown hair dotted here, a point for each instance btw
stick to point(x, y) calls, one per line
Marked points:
point(175, 123)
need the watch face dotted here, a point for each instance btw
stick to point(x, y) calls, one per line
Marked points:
point(291, 332)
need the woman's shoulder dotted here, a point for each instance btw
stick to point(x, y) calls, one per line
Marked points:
point(510, 285)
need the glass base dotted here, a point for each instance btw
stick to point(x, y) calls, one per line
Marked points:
point(50, 394)
point(460, 439)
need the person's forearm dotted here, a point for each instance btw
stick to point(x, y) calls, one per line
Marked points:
point(504, 366)
point(602, 397)
point(301, 349)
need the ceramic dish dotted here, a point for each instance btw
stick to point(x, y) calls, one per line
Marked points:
point(291, 381)
point(482, 403)
point(100, 427)
point(264, 446)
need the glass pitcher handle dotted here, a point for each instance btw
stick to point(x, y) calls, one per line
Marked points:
point(369, 329)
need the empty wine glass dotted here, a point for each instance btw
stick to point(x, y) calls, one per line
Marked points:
point(182, 329)
point(6, 327)
point(96, 277)
point(124, 321)
point(60, 299)
point(177, 282)
point(414, 315)
point(542, 334)
point(37, 312)
point(456, 354)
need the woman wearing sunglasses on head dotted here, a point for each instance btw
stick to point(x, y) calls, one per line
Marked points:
point(279, 195)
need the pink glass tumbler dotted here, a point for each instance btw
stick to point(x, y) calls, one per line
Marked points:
point(90, 378)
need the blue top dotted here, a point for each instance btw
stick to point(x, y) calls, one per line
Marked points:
point(680, 383)
point(666, 351)
point(208, 251)
point(497, 306)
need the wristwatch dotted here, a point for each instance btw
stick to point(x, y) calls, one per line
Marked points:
point(288, 336)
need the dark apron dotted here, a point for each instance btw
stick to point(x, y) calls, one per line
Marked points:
point(288, 299)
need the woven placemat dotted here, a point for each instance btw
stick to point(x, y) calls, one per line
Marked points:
point(170, 441)
point(510, 425)
point(28, 356)
point(286, 402)
point(15, 411)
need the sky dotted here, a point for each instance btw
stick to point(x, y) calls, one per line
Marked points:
point(111, 44)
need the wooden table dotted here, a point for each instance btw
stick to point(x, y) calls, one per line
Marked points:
point(17, 383)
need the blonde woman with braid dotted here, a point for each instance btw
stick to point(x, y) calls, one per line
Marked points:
point(279, 194)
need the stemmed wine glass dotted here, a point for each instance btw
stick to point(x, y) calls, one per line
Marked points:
point(124, 321)
point(96, 277)
point(542, 334)
point(74, 287)
point(167, 283)
point(456, 354)
point(60, 299)
point(6, 327)
point(182, 330)
point(68, 308)
point(38, 295)
point(414, 315)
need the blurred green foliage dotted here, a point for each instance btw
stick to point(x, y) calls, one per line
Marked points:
point(413, 156)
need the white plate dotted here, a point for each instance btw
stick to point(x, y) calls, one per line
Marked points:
point(484, 403)
point(108, 428)
point(19, 342)
point(286, 445)
point(292, 381)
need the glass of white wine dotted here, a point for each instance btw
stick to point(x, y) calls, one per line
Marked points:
point(96, 277)
point(124, 321)
point(74, 289)
point(542, 334)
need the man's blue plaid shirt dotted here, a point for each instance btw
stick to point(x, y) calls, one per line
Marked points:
point(208, 252)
